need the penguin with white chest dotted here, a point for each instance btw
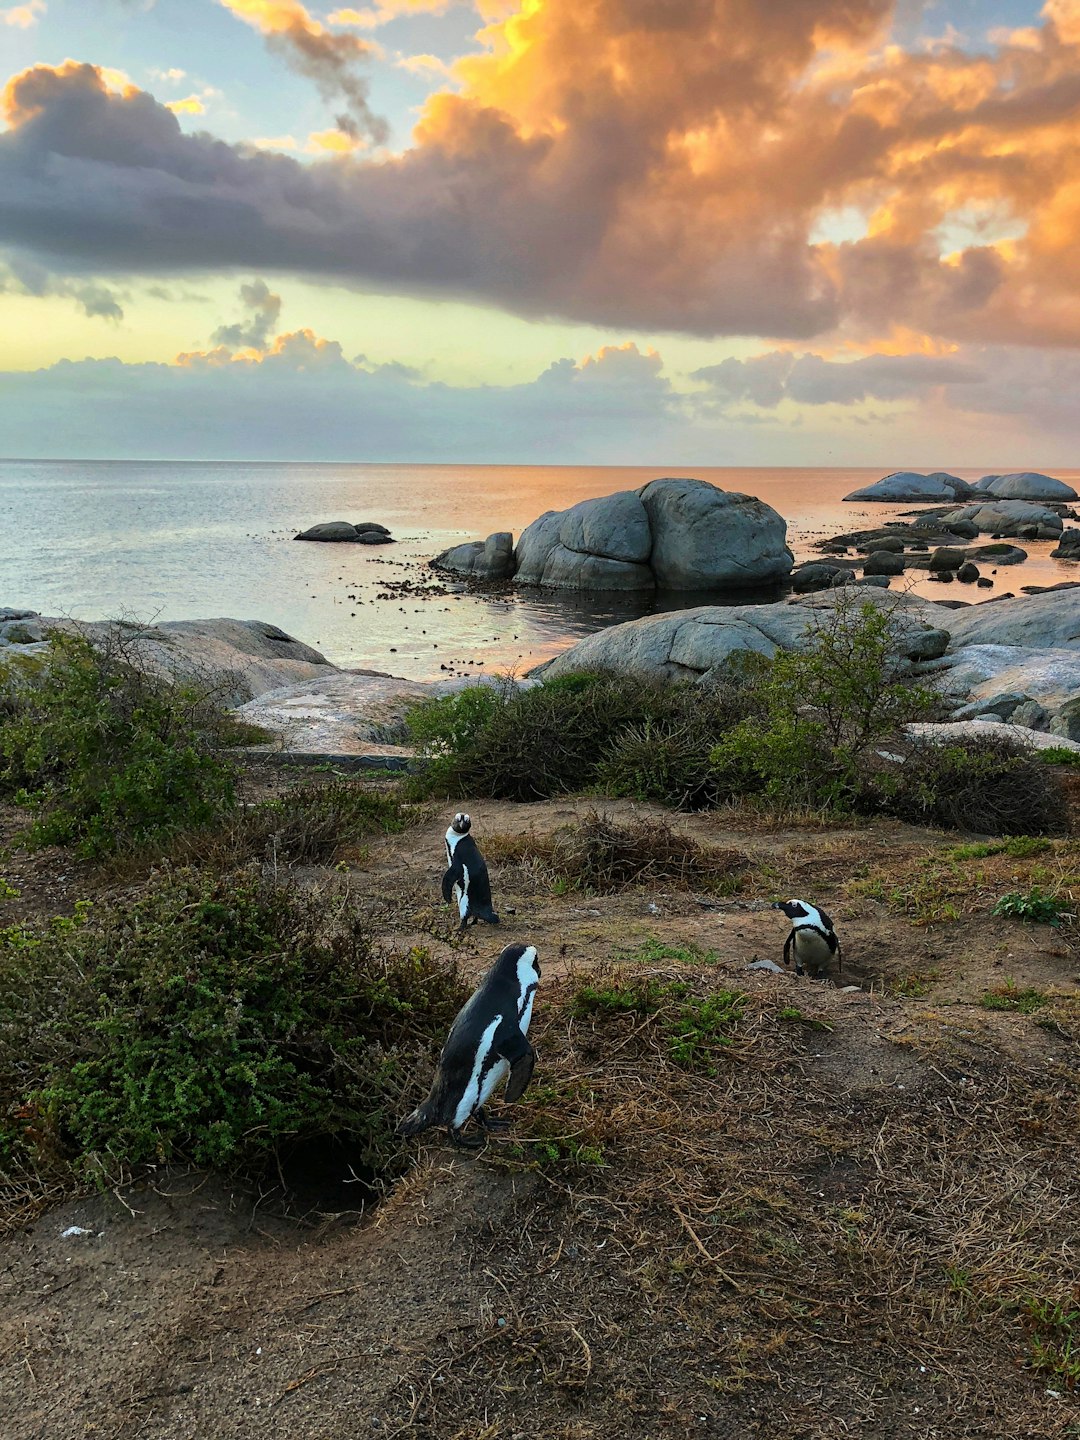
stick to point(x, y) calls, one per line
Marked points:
point(466, 880)
point(812, 939)
point(487, 1043)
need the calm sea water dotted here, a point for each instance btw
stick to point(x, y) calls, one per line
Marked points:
point(181, 541)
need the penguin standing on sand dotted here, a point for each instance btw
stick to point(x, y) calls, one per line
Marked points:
point(466, 880)
point(486, 1044)
point(812, 938)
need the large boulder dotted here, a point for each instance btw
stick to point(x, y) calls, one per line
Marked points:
point(1025, 485)
point(909, 485)
point(1010, 517)
point(691, 644)
point(1047, 621)
point(236, 660)
point(672, 534)
point(884, 562)
point(490, 559)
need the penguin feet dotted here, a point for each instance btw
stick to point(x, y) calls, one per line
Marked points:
point(464, 1142)
point(488, 1122)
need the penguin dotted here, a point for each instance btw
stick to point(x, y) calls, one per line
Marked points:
point(812, 938)
point(487, 1042)
point(466, 880)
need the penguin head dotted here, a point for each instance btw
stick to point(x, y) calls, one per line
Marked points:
point(520, 961)
point(461, 823)
point(793, 909)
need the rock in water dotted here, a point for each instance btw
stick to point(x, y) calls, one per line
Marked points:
point(490, 559)
point(909, 485)
point(366, 533)
point(1025, 485)
point(669, 535)
point(1009, 517)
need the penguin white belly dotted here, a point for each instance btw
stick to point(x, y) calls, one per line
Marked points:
point(493, 1079)
point(472, 1096)
point(812, 948)
point(526, 1014)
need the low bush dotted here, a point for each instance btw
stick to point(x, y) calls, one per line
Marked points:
point(571, 733)
point(311, 825)
point(109, 758)
point(604, 856)
point(992, 784)
point(221, 1021)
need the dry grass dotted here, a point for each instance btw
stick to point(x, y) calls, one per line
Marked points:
point(764, 1253)
point(605, 857)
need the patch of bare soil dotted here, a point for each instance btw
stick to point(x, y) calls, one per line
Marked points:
point(848, 1212)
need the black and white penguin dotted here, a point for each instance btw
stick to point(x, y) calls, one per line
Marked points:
point(812, 938)
point(466, 881)
point(486, 1044)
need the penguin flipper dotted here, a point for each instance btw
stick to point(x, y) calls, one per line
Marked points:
point(452, 877)
point(513, 1047)
point(787, 947)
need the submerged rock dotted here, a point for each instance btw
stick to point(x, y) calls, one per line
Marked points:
point(1010, 517)
point(490, 559)
point(367, 532)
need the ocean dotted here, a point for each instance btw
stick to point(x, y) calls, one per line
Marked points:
point(171, 541)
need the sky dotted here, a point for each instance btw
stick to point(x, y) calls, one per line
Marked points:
point(775, 232)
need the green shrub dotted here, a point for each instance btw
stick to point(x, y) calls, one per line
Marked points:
point(665, 760)
point(107, 757)
point(219, 1021)
point(990, 784)
point(1058, 755)
point(1010, 997)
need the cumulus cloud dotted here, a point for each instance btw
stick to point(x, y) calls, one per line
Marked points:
point(262, 308)
point(649, 164)
point(334, 62)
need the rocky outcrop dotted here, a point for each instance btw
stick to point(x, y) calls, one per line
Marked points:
point(911, 486)
point(365, 532)
point(490, 559)
point(1047, 621)
point(1068, 547)
point(671, 534)
point(1010, 517)
point(238, 659)
point(1025, 485)
point(692, 644)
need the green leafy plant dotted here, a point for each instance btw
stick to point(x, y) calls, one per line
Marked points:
point(1010, 997)
point(1053, 1327)
point(1034, 904)
point(108, 757)
point(216, 1020)
point(1058, 755)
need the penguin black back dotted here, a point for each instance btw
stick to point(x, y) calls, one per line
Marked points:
point(466, 880)
point(487, 1043)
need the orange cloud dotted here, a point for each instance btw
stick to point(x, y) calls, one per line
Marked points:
point(191, 105)
point(22, 17)
point(387, 10)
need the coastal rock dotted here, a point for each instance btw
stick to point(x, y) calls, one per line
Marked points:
point(27, 629)
point(972, 674)
point(947, 732)
point(968, 573)
point(672, 534)
point(1066, 723)
point(1031, 715)
point(234, 660)
point(1026, 485)
point(1010, 517)
point(882, 543)
point(1068, 547)
point(691, 644)
point(945, 557)
point(349, 712)
point(490, 559)
point(367, 532)
point(1001, 707)
point(819, 576)
point(1047, 621)
point(911, 486)
point(884, 562)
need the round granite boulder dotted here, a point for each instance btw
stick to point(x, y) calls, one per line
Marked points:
point(915, 488)
point(1025, 485)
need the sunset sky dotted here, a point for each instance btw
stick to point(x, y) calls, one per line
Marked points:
point(805, 232)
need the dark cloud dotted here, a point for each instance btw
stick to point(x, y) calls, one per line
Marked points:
point(26, 276)
point(257, 329)
point(660, 164)
point(765, 380)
